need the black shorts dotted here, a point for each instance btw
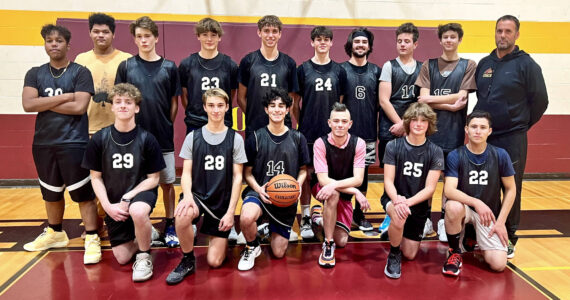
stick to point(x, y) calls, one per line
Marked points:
point(59, 167)
point(123, 232)
point(281, 219)
point(414, 225)
point(210, 222)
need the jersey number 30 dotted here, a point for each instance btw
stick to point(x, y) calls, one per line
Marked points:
point(122, 161)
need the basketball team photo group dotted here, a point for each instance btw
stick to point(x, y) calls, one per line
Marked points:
point(277, 152)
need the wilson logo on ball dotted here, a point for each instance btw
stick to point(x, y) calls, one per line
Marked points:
point(283, 190)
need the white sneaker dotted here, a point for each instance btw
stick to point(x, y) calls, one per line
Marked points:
point(48, 239)
point(155, 240)
point(240, 240)
point(428, 228)
point(263, 231)
point(306, 228)
point(293, 237)
point(142, 268)
point(233, 235)
point(247, 260)
point(441, 231)
point(92, 253)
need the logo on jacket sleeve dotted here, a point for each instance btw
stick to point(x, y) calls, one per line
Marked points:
point(488, 73)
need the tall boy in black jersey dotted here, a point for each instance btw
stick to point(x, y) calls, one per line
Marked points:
point(361, 99)
point(412, 165)
point(211, 182)
point(321, 84)
point(59, 91)
point(397, 91)
point(262, 70)
point(474, 174)
point(157, 79)
point(444, 84)
point(125, 161)
point(271, 150)
point(204, 70)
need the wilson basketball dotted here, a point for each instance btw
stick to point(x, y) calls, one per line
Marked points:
point(283, 190)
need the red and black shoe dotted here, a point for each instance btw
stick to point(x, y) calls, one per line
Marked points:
point(453, 264)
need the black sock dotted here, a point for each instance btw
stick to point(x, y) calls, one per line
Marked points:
point(254, 243)
point(442, 214)
point(91, 231)
point(56, 227)
point(146, 251)
point(453, 240)
point(189, 255)
point(395, 250)
point(168, 222)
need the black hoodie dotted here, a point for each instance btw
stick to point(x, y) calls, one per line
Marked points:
point(512, 90)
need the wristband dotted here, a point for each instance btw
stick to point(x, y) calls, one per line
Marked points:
point(125, 200)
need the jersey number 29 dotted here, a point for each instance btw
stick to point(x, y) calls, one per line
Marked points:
point(122, 161)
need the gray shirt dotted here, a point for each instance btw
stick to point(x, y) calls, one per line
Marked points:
point(386, 74)
point(215, 139)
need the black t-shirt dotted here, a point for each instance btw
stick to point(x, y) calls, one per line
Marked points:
point(320, 86)
point(197, 75)
point(361, 99)
point(93, 159)
point(158, 82)
point(54, 128)
point(259, 75)
point(251, 147)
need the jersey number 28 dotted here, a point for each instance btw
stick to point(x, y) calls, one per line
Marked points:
point(212, 162)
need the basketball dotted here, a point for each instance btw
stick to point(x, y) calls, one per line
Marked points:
point(283, 190)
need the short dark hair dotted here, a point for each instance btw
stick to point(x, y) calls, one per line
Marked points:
point(509, 18)
point(321, 31)
point(274, 94)
point(478, 114)
point(271, 21)
point(337, 106)
point(408, 28)
point(208, 25)
point(144, 23)
point(441, 29)
point(215, 92)
point(61, 30)
point(348, 44)
point(101, 19)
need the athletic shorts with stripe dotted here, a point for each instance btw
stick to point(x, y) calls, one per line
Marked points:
point(210, 222)
point(281, 219)
point(343, 209)
point(59, 167)
point(482, 232)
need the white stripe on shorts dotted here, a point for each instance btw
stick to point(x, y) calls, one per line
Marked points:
point(55, 189)
point(79, 184)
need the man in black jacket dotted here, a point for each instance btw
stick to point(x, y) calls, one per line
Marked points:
point(511, 88)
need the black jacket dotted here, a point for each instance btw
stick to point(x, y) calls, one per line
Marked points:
point(512, 90)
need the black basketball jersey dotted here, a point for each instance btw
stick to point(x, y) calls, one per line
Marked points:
point(122, 164)
point(361, 99)
point(53, 128)
point(157, 93)
point(450, 125)
point(212, 171)
point(404, 93)
point(340, 162)
point(198, 75)
point(264, 75)
point(413, 164)
point(321, 89)
point(481, 181)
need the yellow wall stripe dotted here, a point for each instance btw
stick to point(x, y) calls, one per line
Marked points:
point(21, 27)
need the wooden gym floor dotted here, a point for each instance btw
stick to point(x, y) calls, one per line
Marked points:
point(540, 269)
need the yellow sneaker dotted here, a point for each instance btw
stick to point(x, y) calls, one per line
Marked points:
point(47, 240)
point(92, 249)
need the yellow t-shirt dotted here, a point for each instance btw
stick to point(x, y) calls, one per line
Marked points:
point(103, 69)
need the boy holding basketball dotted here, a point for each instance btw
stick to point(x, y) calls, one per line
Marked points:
point(271, 150)
point(339, 165)
point(211, 180)
point(412, 165)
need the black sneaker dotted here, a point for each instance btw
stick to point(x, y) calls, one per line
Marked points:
point(453, 264)
point(185, 267)
point(362, 223)
point(393, 267)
